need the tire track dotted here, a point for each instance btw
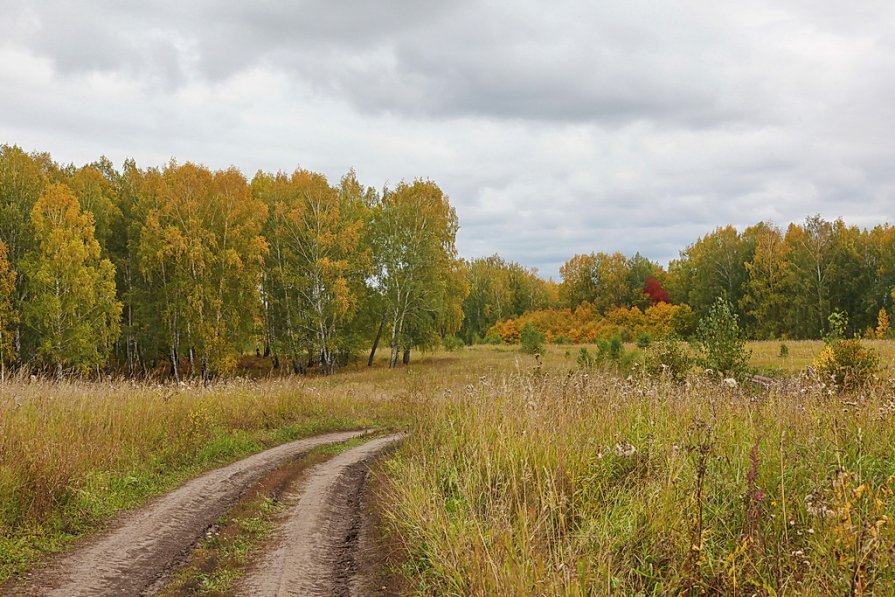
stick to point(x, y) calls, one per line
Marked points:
point(134, 556)
point(314, 551)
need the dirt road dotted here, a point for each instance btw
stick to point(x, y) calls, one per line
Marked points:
point(135, 555)
point(315, 550)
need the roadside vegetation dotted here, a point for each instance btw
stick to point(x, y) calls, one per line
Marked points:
point(532, 470)
point(539, 477)
point(72, 453)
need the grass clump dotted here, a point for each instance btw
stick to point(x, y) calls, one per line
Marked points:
point(668, 358)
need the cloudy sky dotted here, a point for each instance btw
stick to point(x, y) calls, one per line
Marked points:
point(556, 128)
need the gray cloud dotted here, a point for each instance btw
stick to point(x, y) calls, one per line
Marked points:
point(590, 126)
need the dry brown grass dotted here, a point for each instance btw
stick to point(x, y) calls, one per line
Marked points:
point(538, 480)
point(519, 477)
point(74, 453)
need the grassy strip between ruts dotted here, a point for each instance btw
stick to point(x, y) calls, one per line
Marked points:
point(222, 557)
point(72, 455)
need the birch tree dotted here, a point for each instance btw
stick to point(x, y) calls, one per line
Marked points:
point(415, 259)
point(72, 305)
point(314, 265)
point(200, 247)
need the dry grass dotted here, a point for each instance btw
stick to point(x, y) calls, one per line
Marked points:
point(74, 453)
point(518, 478)
point(800, 354)
point(540, 481)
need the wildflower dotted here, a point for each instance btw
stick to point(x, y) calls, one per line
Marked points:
point(625, 449)
point(816, 508)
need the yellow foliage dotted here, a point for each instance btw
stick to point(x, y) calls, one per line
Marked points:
point(584, 324)
point(882, 324)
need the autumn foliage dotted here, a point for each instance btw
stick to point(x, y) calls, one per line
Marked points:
point(585, 324)
point(181, 270)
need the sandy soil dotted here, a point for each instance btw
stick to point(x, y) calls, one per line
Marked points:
point(137, 553)
point(316, 550)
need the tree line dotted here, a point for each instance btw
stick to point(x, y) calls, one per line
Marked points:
point(184, 269)
point(780, 284)
point(181, 269)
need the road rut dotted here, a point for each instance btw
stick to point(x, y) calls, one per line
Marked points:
point(135, 555)
point(315, 549)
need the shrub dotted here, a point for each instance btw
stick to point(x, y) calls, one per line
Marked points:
point(585, 359)
point(668, 357)
point(562, 340)
point(452, 343)
point(532, 339)
point(848, 363)
point(644, 340)
point(491, 339)
point(784, 350)
point(721, 342)
point(616, 348)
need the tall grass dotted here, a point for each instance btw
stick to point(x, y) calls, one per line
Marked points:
point(74, 453)
point(543, 481)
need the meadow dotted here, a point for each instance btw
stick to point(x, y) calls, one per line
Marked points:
point(533, 478)
point(521, 475)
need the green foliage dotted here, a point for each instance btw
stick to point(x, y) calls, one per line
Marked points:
point(562, 340)
point(499, 290)
point(837, 323)
point(616, 348)
point(610, 352)
point(784, 350)
point(452, 343)
point(491, 340)
point(532, 339)
point(668, 357)
point(416, 272)
point(315, 264)
point(713, 266)
point(721, 342)
point(606, 281)
point(585, 359)
point(644, 340)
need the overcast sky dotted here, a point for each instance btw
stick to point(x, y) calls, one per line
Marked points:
point(555, 127)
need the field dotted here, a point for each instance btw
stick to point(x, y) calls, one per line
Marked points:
point(520, 475)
